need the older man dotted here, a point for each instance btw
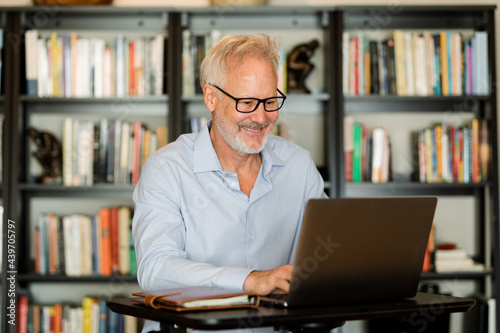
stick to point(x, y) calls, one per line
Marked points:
point(223, 207)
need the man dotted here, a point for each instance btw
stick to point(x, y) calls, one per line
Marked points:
point(223, 207)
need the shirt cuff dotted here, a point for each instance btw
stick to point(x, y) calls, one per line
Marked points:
point(234, 277)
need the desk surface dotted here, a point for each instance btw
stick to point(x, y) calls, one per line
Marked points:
point(425, 305)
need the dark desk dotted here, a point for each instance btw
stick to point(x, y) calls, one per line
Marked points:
point(423, 306)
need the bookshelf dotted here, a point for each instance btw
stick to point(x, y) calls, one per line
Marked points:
point(322, 113)
point(45, 111)
point(391, 111)
point(2, 23)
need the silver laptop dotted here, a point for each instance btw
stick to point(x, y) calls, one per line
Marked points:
point(359, 250)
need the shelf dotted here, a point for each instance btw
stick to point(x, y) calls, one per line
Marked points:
point(71, 279)
point(457, 275)
point(414, 17)
point(410, 189)
point(377, 103)
point(94, 17)
point(259, 17)
point(133, 99)
point(77, 191)
point(112, 106)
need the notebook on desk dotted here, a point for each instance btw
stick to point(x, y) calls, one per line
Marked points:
point(359, 250)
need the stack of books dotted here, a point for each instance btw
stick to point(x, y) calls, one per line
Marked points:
point(455, 260)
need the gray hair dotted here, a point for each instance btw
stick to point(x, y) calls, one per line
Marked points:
point(214, 67)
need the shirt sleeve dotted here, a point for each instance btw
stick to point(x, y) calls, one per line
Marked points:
point(315, 183)
point(159, 236)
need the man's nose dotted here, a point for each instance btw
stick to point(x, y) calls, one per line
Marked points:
point(260, 114)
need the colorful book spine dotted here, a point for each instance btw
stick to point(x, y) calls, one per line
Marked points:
point(357, 153)
point(60, 64)
point(449, 153)
point(417, 64)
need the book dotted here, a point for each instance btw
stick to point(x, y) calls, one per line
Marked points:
point(361, 64)
point(105, 242)
point(22, 314)
point(113, 223)
point(196, 298)
point(124, 240)
point(409, 63)
point(282, 71)
point(460, 266)
point(345, 62)
point(348, 147)
point(481, 61)
point(399, 54)
point(492, 318)
point(72, 245)
point(391, 67)
point(357, 151)
point(374, 68)
point(455, 260)
point(452, 254)
point(133, 259)
point(378, 148)
point(85, 230)
point(31, 41)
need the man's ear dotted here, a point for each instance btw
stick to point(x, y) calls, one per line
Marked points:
point(210, 97)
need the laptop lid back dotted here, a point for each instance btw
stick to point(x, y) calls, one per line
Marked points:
point(361, 250)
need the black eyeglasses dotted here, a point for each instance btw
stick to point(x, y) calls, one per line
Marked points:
point(249, 104)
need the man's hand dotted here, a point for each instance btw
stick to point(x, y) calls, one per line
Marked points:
point(264, 282)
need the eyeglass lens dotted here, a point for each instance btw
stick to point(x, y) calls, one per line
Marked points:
point(251, 104)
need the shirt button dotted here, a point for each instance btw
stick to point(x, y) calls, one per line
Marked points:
point(253, 268)
point(233, 184)
point(251, 237)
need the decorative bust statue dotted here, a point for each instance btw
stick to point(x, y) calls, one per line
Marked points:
point(299, 66)
point(49, 154)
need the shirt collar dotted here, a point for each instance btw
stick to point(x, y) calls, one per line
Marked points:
point(205, 159)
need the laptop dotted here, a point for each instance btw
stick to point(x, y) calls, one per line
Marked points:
point(354, 250)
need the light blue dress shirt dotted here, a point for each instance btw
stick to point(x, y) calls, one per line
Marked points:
point(193, 226)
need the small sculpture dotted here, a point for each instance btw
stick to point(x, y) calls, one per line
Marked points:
point(299, 66)
point(49, 154)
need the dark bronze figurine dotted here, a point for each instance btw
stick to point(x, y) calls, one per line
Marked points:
point(299, 66)
point(49, 154)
